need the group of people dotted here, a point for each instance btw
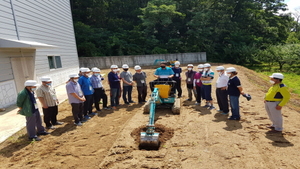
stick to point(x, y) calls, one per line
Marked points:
point(86, 88)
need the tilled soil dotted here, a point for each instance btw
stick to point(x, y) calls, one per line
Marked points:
point(196, 138)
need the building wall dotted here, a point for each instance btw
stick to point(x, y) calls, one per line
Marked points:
point(49, 22)
point(8, 94)
point(142, 60)
point(7, 26)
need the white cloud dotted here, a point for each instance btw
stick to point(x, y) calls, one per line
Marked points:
point(292, 5)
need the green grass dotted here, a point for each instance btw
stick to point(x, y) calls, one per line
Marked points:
point(291, 80)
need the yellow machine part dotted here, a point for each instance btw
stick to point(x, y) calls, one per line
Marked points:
point(164, 90)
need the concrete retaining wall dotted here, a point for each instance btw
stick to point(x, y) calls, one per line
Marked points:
point(142, 60)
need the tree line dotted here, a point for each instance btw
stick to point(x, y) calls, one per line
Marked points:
point(231, 31)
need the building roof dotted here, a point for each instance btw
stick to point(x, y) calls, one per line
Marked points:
point(9, 43)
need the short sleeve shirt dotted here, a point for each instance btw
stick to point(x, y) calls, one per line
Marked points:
point(209, 74)
point(86, 85)
point(140, 79)
point(48, 94)
point(233, 85)
point(73, 87)
point(127, 76)
point(164, 72)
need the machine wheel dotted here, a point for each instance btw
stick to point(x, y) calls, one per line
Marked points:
point(176, 106)
point(147, 107)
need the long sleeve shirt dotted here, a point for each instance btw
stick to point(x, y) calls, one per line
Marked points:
point(278, 92)
point(114, 81)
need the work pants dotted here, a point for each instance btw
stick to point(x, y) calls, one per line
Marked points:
point(178, 87)
point(198, 91)
point(34, 124)
point(142, 93)
point(274, 115)
point(88, 104)
point(222, 99)
point(191, 91)
point(77, 111)
point(98, 95)
point(50, 115)
point(127, 90)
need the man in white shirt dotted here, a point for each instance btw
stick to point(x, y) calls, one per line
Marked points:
point(221, 91)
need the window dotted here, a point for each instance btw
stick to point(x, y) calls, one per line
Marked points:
point(54, 62)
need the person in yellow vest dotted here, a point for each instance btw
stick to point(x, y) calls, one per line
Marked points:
point(276, 97)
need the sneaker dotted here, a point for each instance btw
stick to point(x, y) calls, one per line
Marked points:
point(219, 110)
point(87, 117)
point(206, 106)
point(78, 124)
point(127, 103)
point(107, 108)
point(131, 101)
point(224, 113)
point(197, 103)
point(114, 108)
point(59, 123)
point(35, 139)
point(50, 127)
point(179, 97)
point(234, 118)
point(43, 133)
point(93, 114)
point(98, 110)
point(211, 107)
point(188, 100)
point(83, 120)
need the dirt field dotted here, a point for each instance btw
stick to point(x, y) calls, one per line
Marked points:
point(197, 138)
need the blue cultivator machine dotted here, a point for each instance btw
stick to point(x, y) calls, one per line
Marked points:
point(160, 97)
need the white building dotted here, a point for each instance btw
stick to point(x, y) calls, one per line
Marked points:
point(36, 39)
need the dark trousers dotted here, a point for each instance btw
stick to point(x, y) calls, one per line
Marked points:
point(178, 87)
point(127, 90)
point(222, 98)
point(77, 111)
point(198, 91)
point(34, 123)
point(88, 104)
point(50, 116)
point(142, 93)
point(98, 95)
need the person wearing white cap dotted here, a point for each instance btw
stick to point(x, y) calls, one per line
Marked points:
point(140, 79)
point(177, 77)
point(114, 83)
point(126, 77)
point(76, 99)
point(47, 96)
point(190, 76)
point(276, 97)
point(206, 78)
point(234, 90)
point(28, 107)
point(198, 84)
point(99, 93)
point(221, 90)
point(88, 91)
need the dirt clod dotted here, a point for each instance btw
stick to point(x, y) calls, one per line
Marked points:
point(165, 134)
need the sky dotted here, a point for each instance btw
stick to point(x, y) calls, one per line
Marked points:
point(292, 4)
